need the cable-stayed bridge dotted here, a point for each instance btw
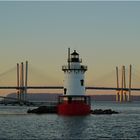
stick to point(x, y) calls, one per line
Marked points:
point(115, 80)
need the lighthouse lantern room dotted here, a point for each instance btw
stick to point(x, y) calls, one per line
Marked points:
point(74, 101)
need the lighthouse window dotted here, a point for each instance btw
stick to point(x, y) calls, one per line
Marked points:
point(82, 82)
point(65, 90)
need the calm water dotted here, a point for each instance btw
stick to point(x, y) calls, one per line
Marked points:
point(16, 124)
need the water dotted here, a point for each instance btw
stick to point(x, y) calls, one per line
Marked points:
point(15, 123)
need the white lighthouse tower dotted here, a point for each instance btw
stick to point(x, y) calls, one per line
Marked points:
point(74, 101)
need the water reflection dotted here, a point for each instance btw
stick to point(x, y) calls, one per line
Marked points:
point(74, 126)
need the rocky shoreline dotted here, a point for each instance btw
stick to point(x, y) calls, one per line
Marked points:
point(106, 111)
point(43, 110)
point(53, 109)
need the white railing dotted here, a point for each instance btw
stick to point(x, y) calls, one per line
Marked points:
point(66, 67)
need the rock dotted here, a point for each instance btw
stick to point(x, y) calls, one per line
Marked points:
point(106, 111)
point(43, 110)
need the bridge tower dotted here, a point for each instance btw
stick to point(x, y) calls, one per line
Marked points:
point(121, 95)
point(74, 101)
point(22, 81)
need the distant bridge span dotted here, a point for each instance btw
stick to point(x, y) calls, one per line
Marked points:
point(61, 87)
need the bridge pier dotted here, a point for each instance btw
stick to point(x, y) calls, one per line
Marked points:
point(117, 96)
point(125, 96)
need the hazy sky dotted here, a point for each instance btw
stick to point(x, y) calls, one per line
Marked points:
point(106, 34)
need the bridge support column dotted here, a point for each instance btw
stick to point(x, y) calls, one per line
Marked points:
point(21, 84)
point(130, 76)
point(117, 96)
point(26, 80)
point(117, 92)
point(124, 83)
point(18, 90)
point(22, 81)
point(124, 96)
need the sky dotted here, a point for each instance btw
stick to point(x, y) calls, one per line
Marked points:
point(105, 33)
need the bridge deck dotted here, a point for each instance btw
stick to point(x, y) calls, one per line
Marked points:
point(61, 87)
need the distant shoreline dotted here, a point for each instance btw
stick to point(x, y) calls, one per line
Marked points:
point(54, 97)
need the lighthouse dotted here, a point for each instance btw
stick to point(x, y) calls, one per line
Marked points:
point(74, 101)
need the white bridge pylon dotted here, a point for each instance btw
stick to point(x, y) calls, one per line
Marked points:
point(22, 78)
point(123, 95)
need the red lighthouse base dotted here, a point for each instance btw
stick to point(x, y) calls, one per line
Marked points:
point(74, 105)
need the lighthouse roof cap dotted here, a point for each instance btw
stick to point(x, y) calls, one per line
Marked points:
point(74, 53)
